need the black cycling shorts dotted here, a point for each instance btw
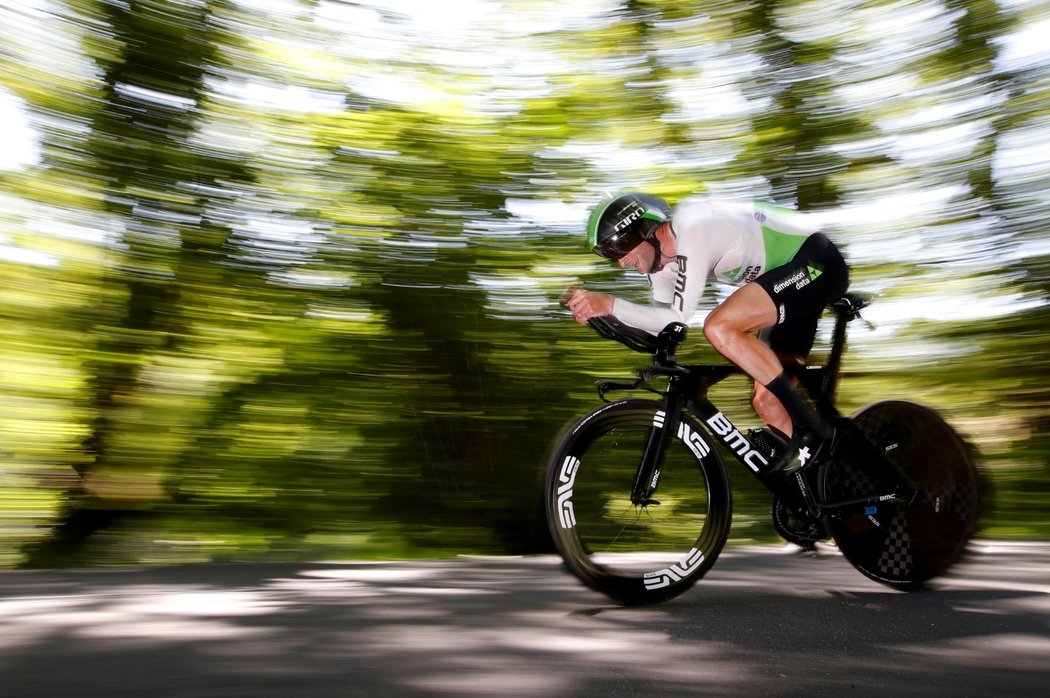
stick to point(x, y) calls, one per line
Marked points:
point(801, 289)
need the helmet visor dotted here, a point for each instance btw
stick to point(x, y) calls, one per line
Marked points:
point(616, 246)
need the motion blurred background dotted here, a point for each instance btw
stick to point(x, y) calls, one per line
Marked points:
point(279, 279)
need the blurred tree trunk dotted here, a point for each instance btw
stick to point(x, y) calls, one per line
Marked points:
point(140, 144)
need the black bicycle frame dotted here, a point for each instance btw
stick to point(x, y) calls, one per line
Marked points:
point(688, 387)
point(796, 485)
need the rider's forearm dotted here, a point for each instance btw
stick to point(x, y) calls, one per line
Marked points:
point(651, 318)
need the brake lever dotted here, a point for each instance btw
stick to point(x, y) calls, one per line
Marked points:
point(645, 375)
point(607, 386)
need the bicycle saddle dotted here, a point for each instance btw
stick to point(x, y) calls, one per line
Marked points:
point(850, 305)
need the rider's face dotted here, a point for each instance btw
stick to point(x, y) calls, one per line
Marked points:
point(641, 258)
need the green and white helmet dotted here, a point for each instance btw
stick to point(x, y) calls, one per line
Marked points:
point(620, 223)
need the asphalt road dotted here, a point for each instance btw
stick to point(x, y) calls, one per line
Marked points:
point(765, 622)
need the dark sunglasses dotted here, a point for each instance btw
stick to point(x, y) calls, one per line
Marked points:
point(618, 245)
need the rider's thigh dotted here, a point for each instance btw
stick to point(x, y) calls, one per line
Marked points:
point(749, 308)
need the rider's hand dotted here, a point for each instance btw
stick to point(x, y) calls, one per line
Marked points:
point(587, 304)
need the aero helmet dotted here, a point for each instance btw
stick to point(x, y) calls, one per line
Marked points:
point(620, 223)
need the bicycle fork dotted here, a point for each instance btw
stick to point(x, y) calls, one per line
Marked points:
point(647, 478)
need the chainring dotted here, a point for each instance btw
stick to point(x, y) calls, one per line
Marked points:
point(796, 528)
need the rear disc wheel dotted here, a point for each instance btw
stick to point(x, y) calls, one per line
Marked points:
point(904, 544)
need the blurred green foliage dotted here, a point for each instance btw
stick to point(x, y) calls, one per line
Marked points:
point(281, 280)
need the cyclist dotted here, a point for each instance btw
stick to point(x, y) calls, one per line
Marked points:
point(787, 272)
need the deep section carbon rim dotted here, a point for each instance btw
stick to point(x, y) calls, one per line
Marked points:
point(636, 554)
point(902, 544)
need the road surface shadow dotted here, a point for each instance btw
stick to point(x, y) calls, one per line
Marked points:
point(764, 622)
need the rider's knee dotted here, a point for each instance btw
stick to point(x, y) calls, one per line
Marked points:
point(717, 331)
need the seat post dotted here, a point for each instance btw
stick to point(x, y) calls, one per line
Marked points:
point(846, 309)
point(834, 363)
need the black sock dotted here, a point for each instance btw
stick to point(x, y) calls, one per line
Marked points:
point(796, 407)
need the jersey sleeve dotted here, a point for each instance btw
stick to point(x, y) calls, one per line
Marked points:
point(651, 318)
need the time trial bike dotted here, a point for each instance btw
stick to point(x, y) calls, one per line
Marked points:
point(639, 503)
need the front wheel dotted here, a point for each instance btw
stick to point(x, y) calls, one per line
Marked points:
point(903, 544)
point(636, 554)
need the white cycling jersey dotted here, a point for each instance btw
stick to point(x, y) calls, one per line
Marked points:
point(733, 242)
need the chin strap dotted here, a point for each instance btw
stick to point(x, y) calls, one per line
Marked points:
point(657, 257)
point(654, 241)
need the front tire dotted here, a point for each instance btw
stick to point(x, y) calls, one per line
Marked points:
point(903, 545)
point(636, 554)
